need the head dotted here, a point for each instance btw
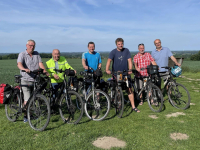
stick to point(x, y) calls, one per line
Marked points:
point(141, 48)
point(91, 47)
point(157, 43)
point(119, 43)
point(56, 54)
point(30, 46)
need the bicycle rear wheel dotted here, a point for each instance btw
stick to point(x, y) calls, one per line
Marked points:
point(71, 107)
point(119, 102)
point(98, 108)
point(38, 112)
point(179, 96)
point(154, 98)
point(12, 108)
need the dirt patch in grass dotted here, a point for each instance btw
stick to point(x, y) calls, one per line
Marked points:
point(175, 114)
point(153, 116)
point(181, 121)
point(192, 104)
point(196, 90)
point(109, 142)
point(179, 136)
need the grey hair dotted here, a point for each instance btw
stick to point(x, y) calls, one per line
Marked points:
point(31, 41)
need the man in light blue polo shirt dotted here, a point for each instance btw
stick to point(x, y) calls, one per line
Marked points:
point(91, 58)
point(161, 56)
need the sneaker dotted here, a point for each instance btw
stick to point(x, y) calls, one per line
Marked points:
point(25, 119)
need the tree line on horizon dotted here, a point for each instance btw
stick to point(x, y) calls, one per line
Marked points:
point(187, 55)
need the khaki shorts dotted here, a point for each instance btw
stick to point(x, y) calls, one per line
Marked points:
point(27, 90)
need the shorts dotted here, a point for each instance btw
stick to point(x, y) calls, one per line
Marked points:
point(27, 90)
point(162, 75)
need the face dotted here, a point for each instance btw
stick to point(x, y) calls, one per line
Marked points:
point(157, 44)
point(91, 48)
point(56, 54)
point(141, 49)
point(120, 45)
point(30, 47)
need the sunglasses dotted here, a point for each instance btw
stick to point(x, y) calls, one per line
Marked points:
point(140, 44)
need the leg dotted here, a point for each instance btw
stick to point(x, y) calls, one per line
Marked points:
point(131, 98)
point(27, 93)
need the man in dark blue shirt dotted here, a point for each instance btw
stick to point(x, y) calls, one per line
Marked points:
point(121, 58)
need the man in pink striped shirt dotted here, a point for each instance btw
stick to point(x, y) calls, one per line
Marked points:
point(142, 60)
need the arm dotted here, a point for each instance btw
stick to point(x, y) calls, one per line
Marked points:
point(153, 63)
point(21, 67)
point(175, 61)
point(84, 64)
point(42, 67)
point(130, 66)
point(99, 66)
point(108, 66)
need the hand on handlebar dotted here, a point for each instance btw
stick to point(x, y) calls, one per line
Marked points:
point(56, 76)
point(86, 67)
point(27, 70)
point(108, 71)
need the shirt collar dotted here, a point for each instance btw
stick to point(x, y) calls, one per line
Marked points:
point(160, 49)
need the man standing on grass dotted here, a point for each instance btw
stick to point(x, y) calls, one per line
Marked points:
point(121, 60)
point(57, 62)
point(142, 60)
point(161, 56)
point(29, 60)
point(91, 58)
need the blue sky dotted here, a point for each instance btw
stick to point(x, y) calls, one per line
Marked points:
point(70, 24)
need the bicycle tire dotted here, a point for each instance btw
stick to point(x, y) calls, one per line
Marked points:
point(179, 96)
point(119, 102)
point(38, 112)
point(12, 108)
point(154, 98)
point(99, 111)
point(74, 112)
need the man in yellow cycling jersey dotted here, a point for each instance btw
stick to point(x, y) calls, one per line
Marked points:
point(57, 62)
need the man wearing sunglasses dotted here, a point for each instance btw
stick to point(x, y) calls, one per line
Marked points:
point(161, 56)
point(142, 60)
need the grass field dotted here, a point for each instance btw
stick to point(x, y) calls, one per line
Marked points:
point(138, 130)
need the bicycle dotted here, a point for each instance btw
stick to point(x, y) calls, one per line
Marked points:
point(69, 102)
point(37, 106)
point(115, 84)
point(153, 93)
point(178, 95)
point(97, 103)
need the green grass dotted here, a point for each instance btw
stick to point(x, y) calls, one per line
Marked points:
point(138, 130)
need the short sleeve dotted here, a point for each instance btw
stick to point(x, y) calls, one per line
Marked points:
point(39, 58)
point(20, 58)
point(128, 54)
point(100, 61)
point(84, 56)
point(111, 55)
point(169, 52)
point(135, 59)
point(151, 58)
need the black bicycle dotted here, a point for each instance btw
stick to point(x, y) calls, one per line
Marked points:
point(68, 101)
point(153, 93)
point(178, 95)
point(37, 106)
point(118, 82)
point(97, 103)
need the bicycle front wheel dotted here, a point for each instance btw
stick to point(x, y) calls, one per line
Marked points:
point(12, 108)
point(154, 98)
point(97, 106)
point(179, 96)
point(38, 112)
point(71, 107)
point(119, 102)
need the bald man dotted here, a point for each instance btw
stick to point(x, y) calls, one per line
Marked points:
point(57, 62)
point(161, 56)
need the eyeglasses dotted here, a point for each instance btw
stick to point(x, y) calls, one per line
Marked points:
point(31, 45)
point(140, 44)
